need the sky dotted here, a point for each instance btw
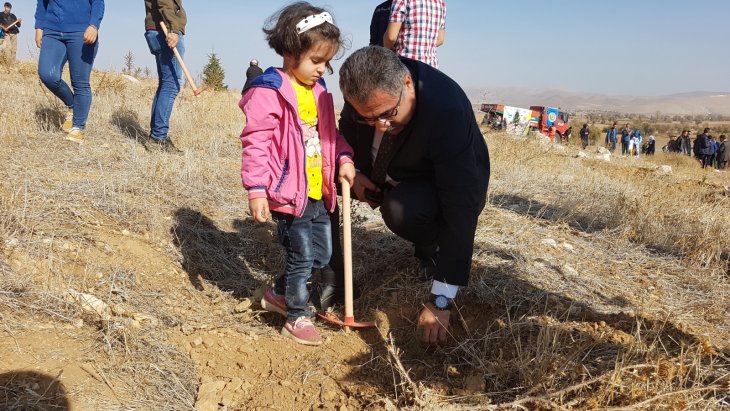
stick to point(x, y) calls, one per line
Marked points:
point(612, 47)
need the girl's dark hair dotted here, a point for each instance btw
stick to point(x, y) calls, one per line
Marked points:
point(281, 31)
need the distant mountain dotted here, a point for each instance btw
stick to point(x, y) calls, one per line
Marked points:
point(699, 102)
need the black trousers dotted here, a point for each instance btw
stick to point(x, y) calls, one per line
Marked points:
point(706, 160)
point(410, 210)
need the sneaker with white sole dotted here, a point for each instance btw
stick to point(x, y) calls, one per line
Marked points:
point(273, 302)
point(302, 330)
point(76, 135)
point(68, 122)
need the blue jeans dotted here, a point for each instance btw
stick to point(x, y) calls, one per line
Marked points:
point(308, 244)
point(57, 49)
point(169, 74)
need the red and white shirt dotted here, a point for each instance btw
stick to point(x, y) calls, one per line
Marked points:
point(421, 21)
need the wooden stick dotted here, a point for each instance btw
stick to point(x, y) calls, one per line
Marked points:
point(180, 60)
point(11, 24)
point(347, 251)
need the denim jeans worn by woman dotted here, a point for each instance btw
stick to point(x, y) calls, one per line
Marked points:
point(56, 50)
point(308, 242)
point(169, 73)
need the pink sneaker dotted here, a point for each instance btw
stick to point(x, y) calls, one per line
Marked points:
point(273, 302)
point(302, 331)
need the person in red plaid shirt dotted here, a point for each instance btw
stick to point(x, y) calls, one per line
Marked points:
point(416, 28)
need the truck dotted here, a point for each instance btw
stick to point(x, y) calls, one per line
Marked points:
point(520, 121)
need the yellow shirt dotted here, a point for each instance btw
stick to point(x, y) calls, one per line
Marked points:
point(307, 108)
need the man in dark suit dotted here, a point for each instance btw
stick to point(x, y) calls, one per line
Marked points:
point(422, 159)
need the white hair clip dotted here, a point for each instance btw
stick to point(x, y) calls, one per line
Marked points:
point(313, 21)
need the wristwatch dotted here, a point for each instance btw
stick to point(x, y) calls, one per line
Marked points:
point(441, 302)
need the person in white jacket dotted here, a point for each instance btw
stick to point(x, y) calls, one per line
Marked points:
point(637, 142)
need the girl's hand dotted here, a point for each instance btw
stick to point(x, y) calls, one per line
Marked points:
point(347, 173)
point(90, 35)
point(38, 37)
point(259, 208)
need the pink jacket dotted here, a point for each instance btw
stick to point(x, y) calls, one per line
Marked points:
point(274, 160)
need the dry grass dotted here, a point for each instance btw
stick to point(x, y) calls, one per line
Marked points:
point(595, 285)
point(58, 203)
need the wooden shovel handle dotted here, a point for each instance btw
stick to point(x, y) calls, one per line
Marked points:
point(180, 60)
point(11, 24)
point(347, 248)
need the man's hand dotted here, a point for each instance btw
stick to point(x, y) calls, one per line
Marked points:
point(38, 37)
point(360, 183)
point(90, 35)
point(347, 173)
point(172, 39)
point(259, 208)
point(434, 325)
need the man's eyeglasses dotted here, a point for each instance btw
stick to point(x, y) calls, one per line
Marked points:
point(383, 118)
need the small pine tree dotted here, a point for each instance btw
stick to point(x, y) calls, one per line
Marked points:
point(213, 74)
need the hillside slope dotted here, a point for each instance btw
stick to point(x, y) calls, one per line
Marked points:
point(695, 103)
point(129, 278)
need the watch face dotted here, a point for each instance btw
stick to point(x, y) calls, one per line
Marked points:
point(441, 302)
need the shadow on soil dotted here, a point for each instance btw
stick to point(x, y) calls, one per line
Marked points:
point(49, 119)
point(32, 391)
point(511, 341)
point(543, 211)
point(221, 257)
point(127, 122)
point(580, 222)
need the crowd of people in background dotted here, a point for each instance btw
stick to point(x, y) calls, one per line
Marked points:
point(632, 142)
point(709, 151)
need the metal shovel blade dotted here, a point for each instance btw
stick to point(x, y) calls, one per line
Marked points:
point(333, 318)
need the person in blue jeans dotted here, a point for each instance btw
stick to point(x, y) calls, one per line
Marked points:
point(169, 71)
point(611, 138)
point(67, 31)
point(625, 138)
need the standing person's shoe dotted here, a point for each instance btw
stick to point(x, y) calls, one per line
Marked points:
point(324, 296)
point(68, 122)
point(302, 331)
point(76, 135)
point(163, 145)
point(273, 302)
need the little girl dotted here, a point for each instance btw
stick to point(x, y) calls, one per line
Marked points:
point(290, 149)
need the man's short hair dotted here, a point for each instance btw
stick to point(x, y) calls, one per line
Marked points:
point(707, 130)
point(8, 5)
point(369, 69)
